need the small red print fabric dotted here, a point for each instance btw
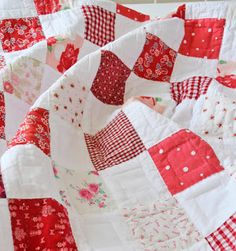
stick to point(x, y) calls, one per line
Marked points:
point(227, 80)
point(191, 88)
point(44, 7)
point(34, 130)
point(40, 224)
point(2, 116)
point(183, 159)
point(21, 33)
point(224, 238)
point(99, 25)
point(156, 62)
point(116, 143)
point(203, 38)
point(132, 14)
point(109, 83)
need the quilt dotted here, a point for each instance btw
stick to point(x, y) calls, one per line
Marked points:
point(117, 132)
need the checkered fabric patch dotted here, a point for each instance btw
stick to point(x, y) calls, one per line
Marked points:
point(224, 238)
point(191, 88)
point(99, 25)
point(21, 33)
point(116, 143)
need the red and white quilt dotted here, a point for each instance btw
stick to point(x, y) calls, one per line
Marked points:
point(117, 132)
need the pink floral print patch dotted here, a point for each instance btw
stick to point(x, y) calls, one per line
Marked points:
point(109, 83)
point(40, 224)
point(183, 159)
point(21, 33)
point(156, 61)
point(116, 143)
point(34, 130)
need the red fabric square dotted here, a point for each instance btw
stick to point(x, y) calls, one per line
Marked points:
point(227, 80)
point(132, 14)
point(203, 38)
point(2, 116)
point(224, 238)
point(109, 83)
point(21, 33)
point(191, 88)
point(181, 12)
point(34, 130)
point(99, 25)
point(40, 224)
point(44, 7)
point(156, 62)
point(183, 159)
point(116, 143)
point(2, 189)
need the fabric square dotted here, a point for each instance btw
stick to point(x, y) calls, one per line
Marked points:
point(191, 88)
point(161, 226)
point(181, 12)
point(227, 80)
point(109, 83)
point(21, 33)
point(2, 116)
point(183, 159)
point(224, 238)
point(156, 61)
point(2, 189)
point(131, 14)
point(99, 25)
point(116, 143)
point(34, 130)
point(40, 224)
point(203, 38)
point(44, 7)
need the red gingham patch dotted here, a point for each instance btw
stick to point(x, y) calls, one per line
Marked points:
point(183, 159)
point(99, 25)
point(116, 143)
point(2, 116)
point(21, 33)
point(132, 14)
point(181, 11)
point(34, 130)
point(228, 81)
point(224, 238)
point(202, 38)
point(44, 7)
point(191, 88)
point(156, 61)
point(109, 83)
point(40, 224)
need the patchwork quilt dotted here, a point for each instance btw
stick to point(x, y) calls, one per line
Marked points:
point(117, 132)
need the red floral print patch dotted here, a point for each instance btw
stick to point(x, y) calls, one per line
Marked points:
point(116, 143)
point(40, 224)
point(99, 25)
point(228, 80)
point(224, 238)
point(156, 62)
point(34, 130)
point(44, 7)
point(203, 38)
point(109, 83)
point(2, 116)
point(183, 159)
point(2, 62)
point(132, 14)
point(68, 58)
point(21, 33)
point(191, 88)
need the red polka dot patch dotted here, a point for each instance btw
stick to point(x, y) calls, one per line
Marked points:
point(21, 33)
point(40, 224)
point(191, 88)
point(99, 25)
point(183, 159)
point(34, 130)
point(132, 14)
point(203, 38)
point(156, 62)
point(109, 83)
point(116, 143)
